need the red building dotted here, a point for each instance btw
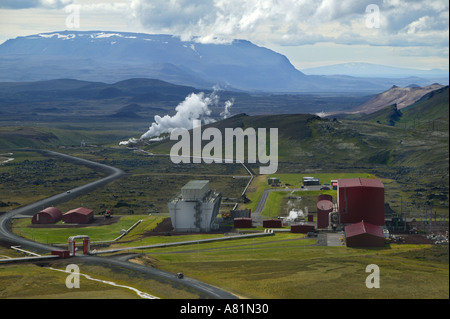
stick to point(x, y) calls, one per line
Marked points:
point(50, 215)
point(364, 234)
point(79, 215)
point(272, 223)
point(243, 222)
point(361, 199)
point(302, 228)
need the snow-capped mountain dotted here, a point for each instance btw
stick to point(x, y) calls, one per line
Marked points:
point(114, 56)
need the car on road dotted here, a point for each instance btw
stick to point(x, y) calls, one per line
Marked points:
point(180, 275)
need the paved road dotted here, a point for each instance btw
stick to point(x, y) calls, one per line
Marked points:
point(204, 290)
point(31, 209)
point(113, 173)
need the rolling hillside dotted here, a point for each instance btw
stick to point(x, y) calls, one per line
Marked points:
point(431, 113)
point(403, 97)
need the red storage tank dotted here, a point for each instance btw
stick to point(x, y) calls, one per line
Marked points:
point(302, 228)
point(242, 222)
point(361, 199)
point(50, 215)
point(364, 234)
point(272, 223)
point(324, 208)
point(325, 197)
point(79, 215)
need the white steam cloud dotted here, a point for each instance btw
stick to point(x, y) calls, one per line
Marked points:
point(195, 106)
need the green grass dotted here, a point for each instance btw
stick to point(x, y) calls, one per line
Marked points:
point(96, 233)
point(286, 265)
point(295, 180)
point(273, 208)
point(292, 270)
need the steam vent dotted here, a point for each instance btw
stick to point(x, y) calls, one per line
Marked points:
point(195, 208)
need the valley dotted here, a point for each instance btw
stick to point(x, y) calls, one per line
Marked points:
point(405, 148)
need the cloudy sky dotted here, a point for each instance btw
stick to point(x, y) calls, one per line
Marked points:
point(412, 33)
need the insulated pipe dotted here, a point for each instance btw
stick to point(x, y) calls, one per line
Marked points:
point(86, 244)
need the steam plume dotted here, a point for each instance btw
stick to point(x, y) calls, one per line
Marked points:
point(194, 107)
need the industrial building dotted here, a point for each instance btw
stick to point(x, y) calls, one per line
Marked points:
point(361, 199)
point(364, 234)
point(195, 208)
point(49, 215)
point(272, 223)
point(302, 228)
point(243, 222)
point(334, 184)
point(307, 181)
point(78, 215)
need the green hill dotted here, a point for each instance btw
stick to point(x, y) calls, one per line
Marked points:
point(430, 113)
point(432, 107)
point(388, 115)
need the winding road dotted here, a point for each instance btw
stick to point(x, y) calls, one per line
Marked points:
point(204, 290)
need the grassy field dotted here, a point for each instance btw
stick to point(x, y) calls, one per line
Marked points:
point(286, 267)
point(22, 227)
point(283, 266)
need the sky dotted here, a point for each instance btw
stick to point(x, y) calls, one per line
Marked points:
point(311, 33)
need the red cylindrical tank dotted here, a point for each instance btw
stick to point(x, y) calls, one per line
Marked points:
point(324, 207)
point(324, 197)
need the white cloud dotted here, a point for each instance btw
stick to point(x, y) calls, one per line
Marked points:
point(408, 24)
point(295, 22)
point(24, 4)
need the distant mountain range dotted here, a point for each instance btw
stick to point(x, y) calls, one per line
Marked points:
point(55, 100)
point(375, 70)
point(116, 56)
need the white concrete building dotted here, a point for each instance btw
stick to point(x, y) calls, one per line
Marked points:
point(195, 208)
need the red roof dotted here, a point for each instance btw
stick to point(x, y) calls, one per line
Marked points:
point(358, 182)
point(80, 210)
point(363, 228)
point(52, 211)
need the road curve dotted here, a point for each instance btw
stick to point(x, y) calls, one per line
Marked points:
point(205, 290)
point(31, 209)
